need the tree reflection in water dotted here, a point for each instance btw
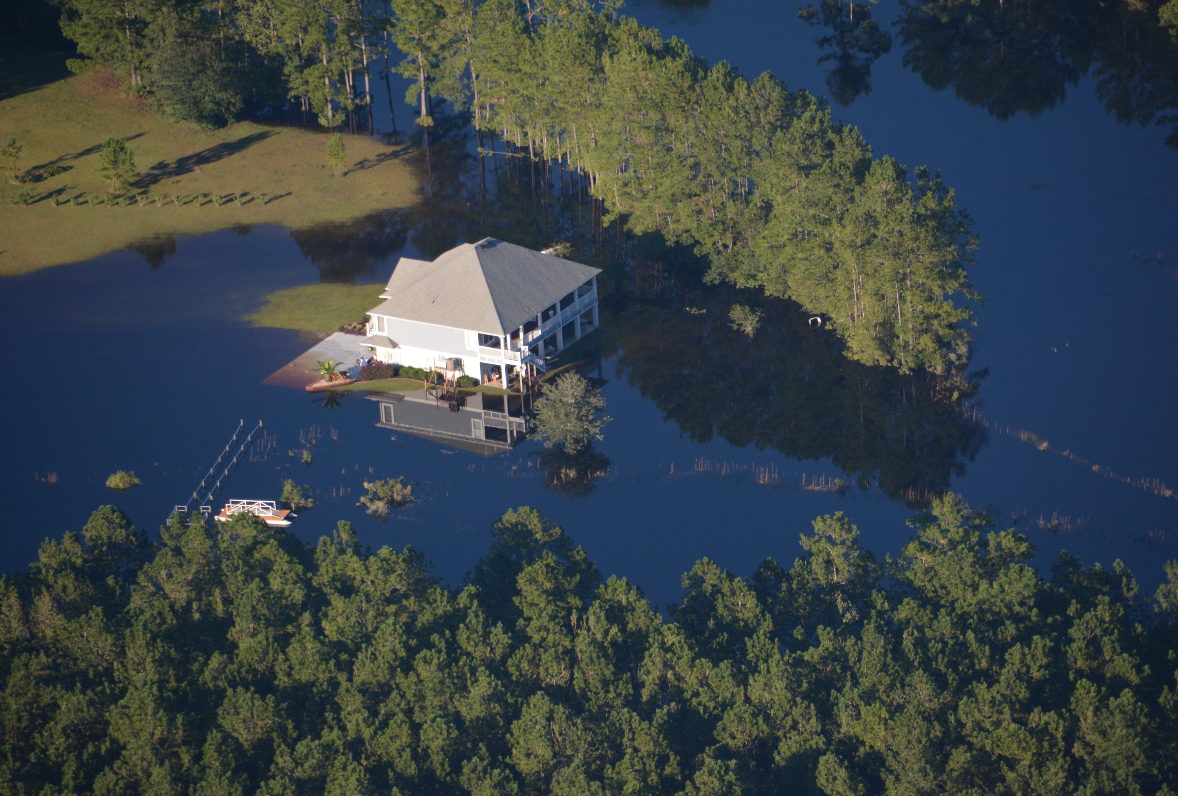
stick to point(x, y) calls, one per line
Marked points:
point(330, 400)
point(1014, 56)
point(857, 40)
point(575, 475)
point(1020, 57)
point(791, 389)
point(155, 249)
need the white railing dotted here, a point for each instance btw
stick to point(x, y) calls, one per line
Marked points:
point(499, 353)
point(577, 307)
point(258, 508)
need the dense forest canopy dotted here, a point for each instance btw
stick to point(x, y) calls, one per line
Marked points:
point(760, 179)
point(237, 659)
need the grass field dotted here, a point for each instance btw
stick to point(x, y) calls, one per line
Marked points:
point(61, 123)
point(385, 385)
point(322, 308)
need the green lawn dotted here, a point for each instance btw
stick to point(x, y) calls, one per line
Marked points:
point(320, 308)
point(62, 121)
point(385, 385)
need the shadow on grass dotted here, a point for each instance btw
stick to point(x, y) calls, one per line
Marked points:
point(379, 160)
point(25, 67)
point(169, 169)
point(60, 161)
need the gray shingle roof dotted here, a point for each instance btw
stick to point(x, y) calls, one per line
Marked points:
point(491, 287)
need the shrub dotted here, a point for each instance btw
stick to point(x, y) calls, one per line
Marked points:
point(176, 199)
point(295, 497)
point(406, 372)
point(263, 198)
point(25, 197)
point(307, 458)
point(468, 381)
point(377, 370)
point(385, 495)
point(122, 481)
point(217, 198)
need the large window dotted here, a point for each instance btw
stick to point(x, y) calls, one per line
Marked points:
point(488, 340)
point(568, 300)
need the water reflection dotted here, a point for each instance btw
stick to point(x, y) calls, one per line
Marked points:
point(575, 475)
point(857, 42)
point(344, 251)
point(1014, 56)
point(1021, 57)
point(156, 250)
point(790, 388)
point(330, 400)
point(477, 422)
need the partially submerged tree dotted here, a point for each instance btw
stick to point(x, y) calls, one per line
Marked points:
point(569, 414)
point(122, 481)
point(295, 497)
point(745, 319)
point(385, 495)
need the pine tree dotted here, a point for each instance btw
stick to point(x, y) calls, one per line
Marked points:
point(336, 159)
point(117, 164)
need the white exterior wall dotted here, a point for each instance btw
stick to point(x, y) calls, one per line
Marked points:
point(422, 345)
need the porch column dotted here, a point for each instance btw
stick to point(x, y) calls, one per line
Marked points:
point(559, 337)
point(503, 359)
point(595, 321)
point(577, 326)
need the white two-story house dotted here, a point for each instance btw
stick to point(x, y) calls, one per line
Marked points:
point(493, 306)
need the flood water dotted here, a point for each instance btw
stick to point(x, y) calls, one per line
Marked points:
point(140, 360)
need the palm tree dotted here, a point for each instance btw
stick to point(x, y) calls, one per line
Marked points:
point(328, 369)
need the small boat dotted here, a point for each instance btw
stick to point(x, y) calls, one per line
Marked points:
point(265, 510)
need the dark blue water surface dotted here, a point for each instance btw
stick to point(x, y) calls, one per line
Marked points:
point(125, 366)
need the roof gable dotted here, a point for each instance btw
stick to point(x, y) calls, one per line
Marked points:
point(490, 286)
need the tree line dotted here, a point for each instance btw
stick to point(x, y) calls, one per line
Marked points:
point(237, 659)
point(760, 179)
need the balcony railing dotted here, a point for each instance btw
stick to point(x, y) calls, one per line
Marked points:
point(499, 353)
